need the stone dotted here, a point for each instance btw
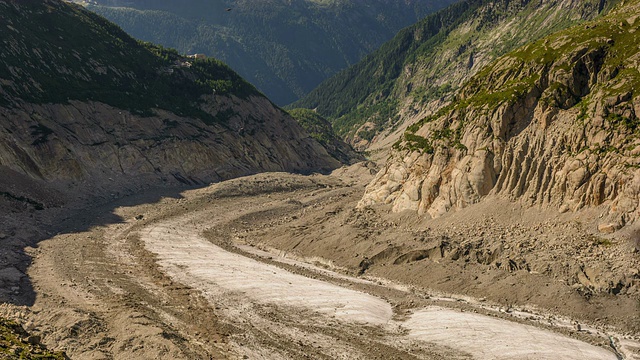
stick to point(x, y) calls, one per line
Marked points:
point(33, 339)
point(525, 149)
point(607, 228)
point(10, 274)
point(277, 144)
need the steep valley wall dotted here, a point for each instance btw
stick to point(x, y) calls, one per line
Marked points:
point(553, 124)
point(93, 145)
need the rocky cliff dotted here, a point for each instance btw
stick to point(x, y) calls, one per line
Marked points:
point(95, 142)
point(553, 124)
point(418, 71)
point(84, 106)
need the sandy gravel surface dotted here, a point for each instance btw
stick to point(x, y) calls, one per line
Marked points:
point(490, 338)
point(192, 260)
point(281, 266)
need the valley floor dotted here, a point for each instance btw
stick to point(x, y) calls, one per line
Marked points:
point(283, 266)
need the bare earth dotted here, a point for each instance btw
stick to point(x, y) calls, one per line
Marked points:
point(282, 266)
point(192, 260)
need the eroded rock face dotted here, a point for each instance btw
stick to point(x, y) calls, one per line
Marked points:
point(96, 144)
point(539, 166)
point(553, 124)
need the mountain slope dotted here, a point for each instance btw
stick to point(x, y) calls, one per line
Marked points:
point(83, 103)
point(553, 124)
point(89, 119)
point(320, 129)
point(285, 48)
point(533, 169)
point(425, 63)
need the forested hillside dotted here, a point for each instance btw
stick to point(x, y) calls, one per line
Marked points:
point(284, 47)
point(321, 130)
point(427, 62)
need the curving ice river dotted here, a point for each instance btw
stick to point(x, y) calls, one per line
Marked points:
point(188, 258)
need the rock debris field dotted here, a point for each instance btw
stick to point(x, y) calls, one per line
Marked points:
point(282, 266)
point(192, 260)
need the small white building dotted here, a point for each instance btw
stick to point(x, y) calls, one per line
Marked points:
point(197, 56)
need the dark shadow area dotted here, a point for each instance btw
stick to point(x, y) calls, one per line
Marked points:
point(25, 221)
point(635, 241)
point(32, 211)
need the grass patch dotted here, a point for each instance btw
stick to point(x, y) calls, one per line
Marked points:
point(15, 343)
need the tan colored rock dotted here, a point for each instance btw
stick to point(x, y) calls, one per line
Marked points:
point(542, 147)
point(99, 144)
point(608, 228)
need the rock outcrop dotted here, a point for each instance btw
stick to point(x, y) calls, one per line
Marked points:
point(553, 124)
point(84, 106)
point(97, 144)
point(427, 63)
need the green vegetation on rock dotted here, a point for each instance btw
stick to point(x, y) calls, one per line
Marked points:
point(56, 52)
point(435, 57)
point(15, 343)
point(317, 126)
point(607, 46)
point(590, 69)
point(321, 130)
